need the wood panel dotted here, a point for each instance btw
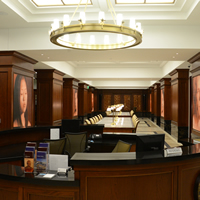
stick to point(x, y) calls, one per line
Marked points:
point(187, 176)
point(50, 194)
point(117, 99)
point(12, 62)
point(157, 99)
point(106, 101)
point(137, 102)
point(180, 81)
point(26, 191)
point(126, 182)
point(4, 114)
point(82, 99)
point(57, 101)
point(118, 95)
point(175, 102)
point(50, 97)
point(127, 102)
point(44, 102)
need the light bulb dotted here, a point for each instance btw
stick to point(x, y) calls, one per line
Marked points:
point(101, 16)
point(55, 24)
point(119, 19)
point(82, 17)
point(138, 27)
point(66, 20)
point(132, 23)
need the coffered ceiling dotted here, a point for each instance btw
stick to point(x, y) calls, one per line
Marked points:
point(171, 36)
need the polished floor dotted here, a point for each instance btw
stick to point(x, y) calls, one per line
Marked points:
point(149, 127)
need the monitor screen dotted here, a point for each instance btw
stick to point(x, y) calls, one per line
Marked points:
point(145, 143)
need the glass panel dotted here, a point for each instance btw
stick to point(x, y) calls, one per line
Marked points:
point(144, 1)
point(159, 1)
point(59, 2)
point(129, 1)
point(76, 2)
point(47, 2)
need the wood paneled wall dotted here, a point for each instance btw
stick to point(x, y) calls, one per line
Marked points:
point(130, 98)
point(82, 99)
point(49, 97)
point(180, 97)
point(179, 87)
point(152, 100)
point(166, 86)
point(12, 62)
point(157, 99)
point(68, 98)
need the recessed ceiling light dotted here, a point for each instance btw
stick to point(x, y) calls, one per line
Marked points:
point(176, 53)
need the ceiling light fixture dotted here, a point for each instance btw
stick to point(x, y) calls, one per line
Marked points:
point(103, 36)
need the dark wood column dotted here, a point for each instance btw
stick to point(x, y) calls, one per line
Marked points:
point(179, 92)
point(82, 101)
point(49, 97)
point(166, 103)
point(152, 103)
point(157, 103)
point(13, 64)
point(70, 98)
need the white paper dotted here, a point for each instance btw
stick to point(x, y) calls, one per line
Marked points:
point(54, 133)
point(49, 176)
point(58, 161)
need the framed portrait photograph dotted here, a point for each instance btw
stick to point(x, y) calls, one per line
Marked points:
point(22, 101)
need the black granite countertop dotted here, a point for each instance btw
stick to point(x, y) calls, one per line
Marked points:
point(16, 173)
point(133, 158)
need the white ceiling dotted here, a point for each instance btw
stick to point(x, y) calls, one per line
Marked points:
point(171, 36)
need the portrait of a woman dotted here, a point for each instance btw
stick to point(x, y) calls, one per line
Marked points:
point(20, 113)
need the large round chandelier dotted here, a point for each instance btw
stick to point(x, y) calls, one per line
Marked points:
point(96, 36)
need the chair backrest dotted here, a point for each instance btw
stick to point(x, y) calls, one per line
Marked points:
point(56, 146)
point(87, 121)
point(122, 146)
point(96, 118)
point(75, 142)
point(92, 121)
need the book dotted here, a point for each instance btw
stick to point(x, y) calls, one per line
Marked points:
point(41, 161)
point(28, 161)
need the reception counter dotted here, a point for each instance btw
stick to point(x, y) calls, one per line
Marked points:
point(131, 176)
point(101, 176)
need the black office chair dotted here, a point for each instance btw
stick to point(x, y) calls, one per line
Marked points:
point(122, 146)
point(75, 142)
point(56, 146)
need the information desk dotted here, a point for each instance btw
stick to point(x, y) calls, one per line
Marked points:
point(100, 176)
point(14, 184)
point(122, 124)
point(124, 176)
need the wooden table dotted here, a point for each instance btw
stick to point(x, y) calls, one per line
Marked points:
point(123, 124)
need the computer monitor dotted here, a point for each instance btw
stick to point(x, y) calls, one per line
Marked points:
point(146, 143)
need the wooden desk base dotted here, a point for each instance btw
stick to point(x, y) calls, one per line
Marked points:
point(166, 181)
